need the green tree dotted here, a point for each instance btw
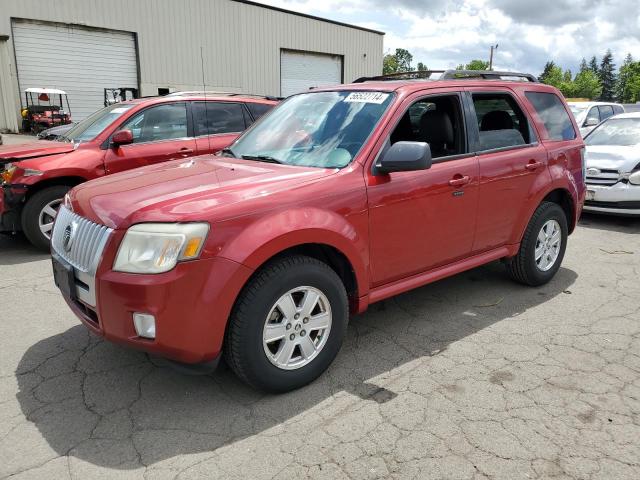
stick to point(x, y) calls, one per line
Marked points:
point(584, 65)
point(422, 67)
point(624, 77)
point(607, 77)
point(389, 64)
point(548, 68)
point(587, 85)
point(593, 65)
point(397, 62)
point(552, 75)
point(630, 75)
point(474, 65)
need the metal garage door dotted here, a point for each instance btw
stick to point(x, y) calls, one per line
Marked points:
point(301, 70)
point(80, 61)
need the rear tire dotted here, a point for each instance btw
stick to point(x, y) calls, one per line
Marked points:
point(253, 357)
point(540, 256)
point(38, 215)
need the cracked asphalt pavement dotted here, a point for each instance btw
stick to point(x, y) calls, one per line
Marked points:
point(472, 377)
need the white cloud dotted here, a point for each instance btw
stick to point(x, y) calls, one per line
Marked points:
point(445, 33)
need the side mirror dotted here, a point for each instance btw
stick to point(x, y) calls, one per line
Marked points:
point(591, 122)
point(405, 157)
point(122, 137)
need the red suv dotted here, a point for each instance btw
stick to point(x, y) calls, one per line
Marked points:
point(36, 176)
point(336, 199)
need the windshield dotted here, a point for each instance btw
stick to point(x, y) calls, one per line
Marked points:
point(617, 131)
point(90, 127)
point(316, 129)
point(577, 109)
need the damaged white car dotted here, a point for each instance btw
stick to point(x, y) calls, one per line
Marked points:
point(613, 166)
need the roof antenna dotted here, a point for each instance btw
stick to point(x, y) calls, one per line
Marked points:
point(206, 107)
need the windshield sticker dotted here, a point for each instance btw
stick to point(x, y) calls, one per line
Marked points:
point(366, 97)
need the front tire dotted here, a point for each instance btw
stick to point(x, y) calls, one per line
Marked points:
point(40, 212)
point(542, 247)
point(287, 325)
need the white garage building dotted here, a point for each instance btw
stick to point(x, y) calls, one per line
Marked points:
point(159, 46)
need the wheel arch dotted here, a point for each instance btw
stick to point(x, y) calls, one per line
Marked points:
point(67, 180)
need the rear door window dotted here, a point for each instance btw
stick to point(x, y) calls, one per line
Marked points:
point(501, 122)
point(212, 118)
point(554, 116)
point(606, 111)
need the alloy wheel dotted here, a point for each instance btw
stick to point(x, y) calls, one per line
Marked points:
point(47, 216)
point(548, 245)
point(297, 328)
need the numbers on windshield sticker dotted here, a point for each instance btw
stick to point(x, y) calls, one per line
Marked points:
point(366, 97)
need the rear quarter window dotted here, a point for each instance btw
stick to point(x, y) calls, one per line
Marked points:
point(551, 111)
point(258, 109)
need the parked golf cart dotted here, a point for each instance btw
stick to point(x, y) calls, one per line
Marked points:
point(45, 108)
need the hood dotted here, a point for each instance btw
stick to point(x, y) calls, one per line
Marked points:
point(40, 148)
point(196, 189)
point(621, 158)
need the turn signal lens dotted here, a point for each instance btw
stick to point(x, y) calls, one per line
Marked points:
point(8, 172)
point(634, 178)
point(192, 248)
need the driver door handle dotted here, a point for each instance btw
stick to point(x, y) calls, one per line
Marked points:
point(459, 180)
point(533, 165)
point(185, 151)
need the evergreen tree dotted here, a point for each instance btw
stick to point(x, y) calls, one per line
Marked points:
point(583, 65)
point(593, 65)
point(548, 68)
point(607, 77)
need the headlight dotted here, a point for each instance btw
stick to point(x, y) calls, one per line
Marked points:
point(7, 173)
point(157, 247)
point(12, 171)
point(634, 178)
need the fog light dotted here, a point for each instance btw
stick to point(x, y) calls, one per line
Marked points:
point(145, 324)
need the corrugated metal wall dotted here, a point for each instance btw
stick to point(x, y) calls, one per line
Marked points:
point(240, 42)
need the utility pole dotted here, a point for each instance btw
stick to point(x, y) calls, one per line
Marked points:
point(493, 47)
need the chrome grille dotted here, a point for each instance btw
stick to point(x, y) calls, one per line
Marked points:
point(606, 177)
point(80, 242)
point(88, 240)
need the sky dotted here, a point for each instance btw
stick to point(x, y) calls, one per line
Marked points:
point(446, 33)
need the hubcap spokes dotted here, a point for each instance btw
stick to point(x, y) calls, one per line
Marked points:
point(47, 216)
point(548, 245)
point(297, 328)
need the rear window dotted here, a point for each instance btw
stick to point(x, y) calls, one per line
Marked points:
point(553, 114)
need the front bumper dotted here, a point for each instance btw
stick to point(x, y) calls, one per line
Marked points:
point(620, 199)
point(191, 305)
point(11, 202)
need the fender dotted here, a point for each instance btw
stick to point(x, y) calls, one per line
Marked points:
point(530, 207)
point(270, 235)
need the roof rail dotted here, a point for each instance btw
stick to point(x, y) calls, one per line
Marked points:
point(486, 75)
point(186, 93)
point(399, 76)
point(448, 75)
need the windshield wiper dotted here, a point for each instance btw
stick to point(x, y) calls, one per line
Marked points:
point(262, 158)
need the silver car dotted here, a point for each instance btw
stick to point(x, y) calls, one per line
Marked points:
point(590, 114)
point(613, 166)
